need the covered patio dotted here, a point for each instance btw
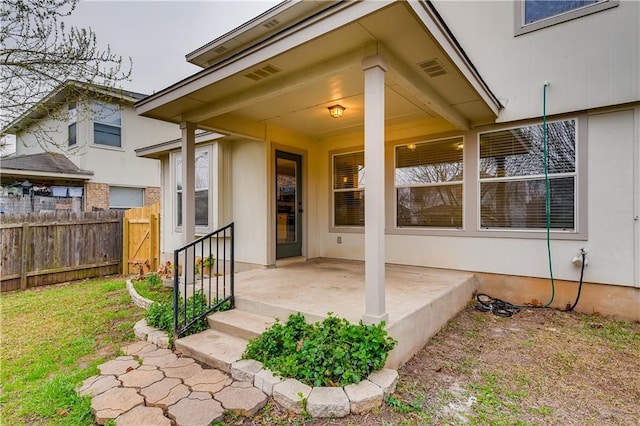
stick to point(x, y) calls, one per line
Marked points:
point(419, 300)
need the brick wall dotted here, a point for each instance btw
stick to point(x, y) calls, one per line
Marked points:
point(151, 195)
point(97, 196)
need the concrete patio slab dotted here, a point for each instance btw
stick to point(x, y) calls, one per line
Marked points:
point(211, 381)
point(199, 409)
point(244, 401)
point(143, 416)
point(112, 403)
point(141, 377)
point(96, 385)
point(118, 366)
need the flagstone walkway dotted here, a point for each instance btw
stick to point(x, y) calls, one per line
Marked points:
point(154, 386)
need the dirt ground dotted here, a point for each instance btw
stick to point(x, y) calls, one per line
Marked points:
point(540, 366)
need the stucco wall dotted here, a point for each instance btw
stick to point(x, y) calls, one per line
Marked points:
point(612, 231)
point(590, 62)
point(111, 165)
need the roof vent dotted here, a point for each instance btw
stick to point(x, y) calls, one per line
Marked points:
point(272, 23)
point(220, 49)
point(432, 67)
point(264, 72)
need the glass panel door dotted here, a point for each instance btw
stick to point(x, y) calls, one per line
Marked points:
point(288, 205)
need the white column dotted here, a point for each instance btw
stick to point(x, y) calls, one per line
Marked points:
point(374, 68)
point(188, 147)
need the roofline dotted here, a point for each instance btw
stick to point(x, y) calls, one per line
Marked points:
point(163, 148)
point(31, 113)
point(439, 26)
point(252, 46)
point(245, 27)
point(26, 173)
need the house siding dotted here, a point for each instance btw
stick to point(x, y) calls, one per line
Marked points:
point(590, 62)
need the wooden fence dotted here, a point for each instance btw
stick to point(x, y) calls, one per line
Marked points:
point(50, 248)
point(141, 238)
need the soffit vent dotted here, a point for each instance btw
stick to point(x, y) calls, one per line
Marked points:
point(264, 72)
point(220, 49)
point(272, 23)
point(432, 67)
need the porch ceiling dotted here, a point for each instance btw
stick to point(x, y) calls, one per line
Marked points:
point(294, 87)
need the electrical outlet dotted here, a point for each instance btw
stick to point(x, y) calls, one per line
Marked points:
point(339, 239)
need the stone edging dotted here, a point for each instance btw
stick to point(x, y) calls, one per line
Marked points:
point(138, 300)
point(323, 402)
point(141, 329)
point(291, 394)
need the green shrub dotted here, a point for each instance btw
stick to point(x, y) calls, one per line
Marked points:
point(151, 288)
point(333, 352)
point(153, 280)
point(160, 314)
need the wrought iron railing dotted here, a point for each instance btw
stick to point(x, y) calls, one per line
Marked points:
point(203, 279)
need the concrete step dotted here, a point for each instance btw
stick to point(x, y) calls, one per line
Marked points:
point(243, 324)
point(213, 348)
point(271, 310)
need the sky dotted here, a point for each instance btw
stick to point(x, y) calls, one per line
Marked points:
point(157, 35)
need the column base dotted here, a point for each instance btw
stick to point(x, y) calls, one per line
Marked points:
point(375, 319)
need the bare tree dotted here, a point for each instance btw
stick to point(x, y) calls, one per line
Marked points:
point(38, 55)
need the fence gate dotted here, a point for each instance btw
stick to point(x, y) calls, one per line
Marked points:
point(141, 238)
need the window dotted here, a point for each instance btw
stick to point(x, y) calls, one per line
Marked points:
point(121, 197)
point(107, 124)
point(202, 187)
point(512, 181)
point(73, 116)
point(428, 182)
point(531, 15)
point(348, 189)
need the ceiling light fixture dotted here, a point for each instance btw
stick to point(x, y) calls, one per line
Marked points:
point(336, 111)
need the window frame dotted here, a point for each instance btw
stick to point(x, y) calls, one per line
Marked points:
point(580, 189)
point(332, 191)
point(460, 183)
point(199, 229)
point(520, 27)
point(116, 207)
point(97, 120)
point(72, 128)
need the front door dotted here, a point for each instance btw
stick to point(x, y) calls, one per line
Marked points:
point(288, 205)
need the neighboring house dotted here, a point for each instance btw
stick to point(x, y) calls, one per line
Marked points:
point(41, 182)
point(447, 142)
point(98, 136)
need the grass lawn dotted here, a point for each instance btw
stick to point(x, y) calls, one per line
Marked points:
point(52, 339)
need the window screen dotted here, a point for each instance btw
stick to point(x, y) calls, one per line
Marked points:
point(428, 181)
point(512, 183)
point(348, 189)
point(106, 124)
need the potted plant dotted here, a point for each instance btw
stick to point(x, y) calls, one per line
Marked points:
point(209, 265)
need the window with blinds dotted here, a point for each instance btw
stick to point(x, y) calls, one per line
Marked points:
point(348, 189)
point(203, 172)
point(107, 122)
point(512, 181)
point(428, 183)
